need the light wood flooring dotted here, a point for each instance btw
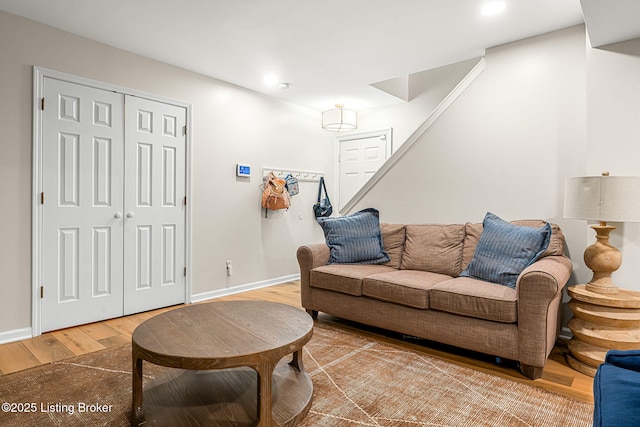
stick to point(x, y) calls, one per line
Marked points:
point(57, 345)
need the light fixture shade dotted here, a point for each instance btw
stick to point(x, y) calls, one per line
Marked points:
point(339, 119)
point(603, 198)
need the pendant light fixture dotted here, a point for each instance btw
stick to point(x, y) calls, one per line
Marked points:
point(339, 119)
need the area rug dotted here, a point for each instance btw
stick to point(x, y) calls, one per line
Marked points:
point(358, 381)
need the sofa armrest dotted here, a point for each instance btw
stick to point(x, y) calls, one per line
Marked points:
point(310, 257)
point(539, 289)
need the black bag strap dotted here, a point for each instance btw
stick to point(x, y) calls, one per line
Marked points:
point(320, 187)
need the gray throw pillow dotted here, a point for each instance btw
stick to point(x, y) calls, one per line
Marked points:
point(355, 238)
point(505, 250)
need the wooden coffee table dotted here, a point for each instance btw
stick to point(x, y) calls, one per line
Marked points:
point(205, 341)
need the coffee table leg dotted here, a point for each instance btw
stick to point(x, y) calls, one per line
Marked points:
point(265, 377)
point(137, 415)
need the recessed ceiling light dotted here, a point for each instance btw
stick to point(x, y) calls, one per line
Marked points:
point(493, 8)
point(271, 80)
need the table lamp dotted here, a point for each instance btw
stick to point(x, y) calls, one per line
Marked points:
point(603, 198)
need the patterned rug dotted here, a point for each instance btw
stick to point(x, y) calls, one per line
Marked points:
point(358, 381)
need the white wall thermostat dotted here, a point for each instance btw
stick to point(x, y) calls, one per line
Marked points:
point(243, 170)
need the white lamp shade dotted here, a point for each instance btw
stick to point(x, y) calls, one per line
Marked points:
point(339, 119)
point(603, 198)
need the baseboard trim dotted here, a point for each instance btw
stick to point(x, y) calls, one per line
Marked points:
point(243, 288)
point(15, 335)
point(565, 333)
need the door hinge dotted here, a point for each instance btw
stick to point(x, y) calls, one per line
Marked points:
point(42, 104)
point(42, 198)
point(41, 292)
point(185, 272)
point(184, 130)
point(185, 200)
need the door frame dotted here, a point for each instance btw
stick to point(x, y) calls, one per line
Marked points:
point(39, 74)
point(387, 134)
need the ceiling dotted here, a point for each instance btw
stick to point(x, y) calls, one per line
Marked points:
point(329, 51)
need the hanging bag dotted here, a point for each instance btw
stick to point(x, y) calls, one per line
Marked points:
point(291, 182)
point(275, 195)
point(323, 207)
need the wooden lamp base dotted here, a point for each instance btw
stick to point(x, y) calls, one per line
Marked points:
point(603, 259)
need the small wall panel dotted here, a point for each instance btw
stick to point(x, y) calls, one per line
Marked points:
point(144, 178)
point(169, 124)
point(68, 267)
point(69, 108)
point(101, 114)
point(168, 254)
point(101, 261)
point(143, 258)
point(169, 194)
point(69, 169)
point(352, 155)
point(145, 121)
point(102, 172)
point(372, 153)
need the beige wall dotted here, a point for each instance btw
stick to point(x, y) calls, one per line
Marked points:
point(230, 125)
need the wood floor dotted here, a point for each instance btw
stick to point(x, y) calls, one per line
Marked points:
point(53, 346)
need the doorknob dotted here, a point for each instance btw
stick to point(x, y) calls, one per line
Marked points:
point(117, 215)
point(129, 214)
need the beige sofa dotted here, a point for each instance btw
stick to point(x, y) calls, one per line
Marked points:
point(419, 292)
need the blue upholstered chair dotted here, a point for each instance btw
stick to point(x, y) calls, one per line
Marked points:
point(616, 390)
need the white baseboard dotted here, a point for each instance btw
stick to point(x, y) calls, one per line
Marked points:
point(565, 333)
point(15, 335)
point(243, 288)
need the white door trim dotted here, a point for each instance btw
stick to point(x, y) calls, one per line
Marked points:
point(39, 74)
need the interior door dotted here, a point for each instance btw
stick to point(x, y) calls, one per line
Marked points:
point(155, 211)
point(360, 158)
point(82, 182)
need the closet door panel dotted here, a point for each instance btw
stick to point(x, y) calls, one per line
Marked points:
point(82, 182)
point(155, 177)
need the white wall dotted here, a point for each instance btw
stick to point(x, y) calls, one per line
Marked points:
point(230, 125)
point(428, 89)
point(505, 145)
point(613, 137)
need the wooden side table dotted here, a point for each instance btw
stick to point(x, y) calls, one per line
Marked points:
point(601, 322)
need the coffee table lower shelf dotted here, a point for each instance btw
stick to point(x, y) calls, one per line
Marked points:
point(225, 397)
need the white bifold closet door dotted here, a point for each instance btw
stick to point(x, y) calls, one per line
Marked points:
point(113, 218)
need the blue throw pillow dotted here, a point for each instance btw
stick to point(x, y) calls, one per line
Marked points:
point(355, 238)
point(505, 249)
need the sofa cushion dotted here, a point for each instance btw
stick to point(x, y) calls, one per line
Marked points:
point(433, 247)
point(393, 236)
point(355, 238)
point(475, 298)
point(345, 278)
point(505, 249)
point(406, 287)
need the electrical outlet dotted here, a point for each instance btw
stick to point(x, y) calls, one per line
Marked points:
point(229, 268)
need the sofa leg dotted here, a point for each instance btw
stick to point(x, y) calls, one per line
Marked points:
point(312, 313)
point(531, 372)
